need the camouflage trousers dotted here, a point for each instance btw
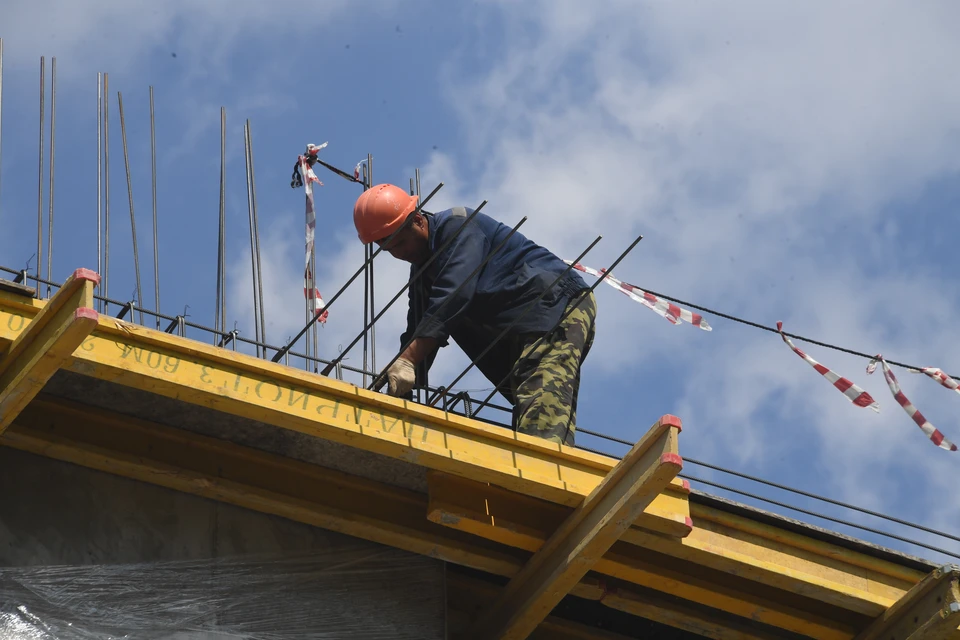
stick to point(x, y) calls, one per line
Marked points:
point(546, 378)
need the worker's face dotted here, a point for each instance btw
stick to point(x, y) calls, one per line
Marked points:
point(411, 244)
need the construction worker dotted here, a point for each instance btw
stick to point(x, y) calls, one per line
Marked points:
point(544, 378)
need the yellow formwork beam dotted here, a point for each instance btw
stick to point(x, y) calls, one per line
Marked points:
point(501, 515)
point(727, 562)
point(785, 560)
point(284, 397)
point(45, 343)
point(929, 611)
point(721, 541)
point(586, 534)
point(700, 620)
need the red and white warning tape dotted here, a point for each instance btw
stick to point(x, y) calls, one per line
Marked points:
point(671, 312)
point(855, 394)
point(932, 432)
point(356, 169)
point(940, 377)
point(310, 292)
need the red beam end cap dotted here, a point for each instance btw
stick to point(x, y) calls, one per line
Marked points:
point(86, 313)
point(669, 420)
point(672, 458)
point(87, 274)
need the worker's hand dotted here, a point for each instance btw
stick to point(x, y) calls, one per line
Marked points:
point(401, 377)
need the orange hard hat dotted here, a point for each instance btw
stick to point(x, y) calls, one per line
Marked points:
point(380, 210)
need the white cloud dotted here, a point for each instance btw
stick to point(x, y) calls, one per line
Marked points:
point(122, 32)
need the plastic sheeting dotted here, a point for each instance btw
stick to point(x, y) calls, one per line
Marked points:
point(359, 591)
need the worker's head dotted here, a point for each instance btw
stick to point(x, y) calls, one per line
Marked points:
point(380, 211)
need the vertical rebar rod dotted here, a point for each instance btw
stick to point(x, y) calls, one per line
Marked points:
point(1, 111)
point(53, 129)
point(253, 252)
point(419, 305)
point(133, 219)
point(366, 283)
point(220, 321)
point(43, 67)
point(373, 303)
point(415, 302)
point(256, 230)
point(99, 178)
point(106, 192)
point(153, 168)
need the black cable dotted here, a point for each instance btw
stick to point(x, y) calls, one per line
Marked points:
point(801, 510)
point(783, 487)
point(757, 325)
point(720, 314)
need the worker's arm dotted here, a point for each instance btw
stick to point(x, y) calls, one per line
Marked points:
point(447, 298)
point(419, 349)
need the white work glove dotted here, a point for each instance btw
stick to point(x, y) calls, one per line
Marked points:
point(401, 377)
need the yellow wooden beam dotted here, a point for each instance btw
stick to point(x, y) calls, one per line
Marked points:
point(43, 346)
point(587, 533)
point(776, 579)
point(929, 611)
point(721, 541)
point(498, 514)
point(326, 408)
point(687, 616)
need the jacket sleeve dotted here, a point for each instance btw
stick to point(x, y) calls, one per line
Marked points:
point(411, 314)
point(456, 266)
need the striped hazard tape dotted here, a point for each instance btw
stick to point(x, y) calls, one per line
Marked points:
point(310, 291)
point(932, 432)
point(940, 377)
point(855, 394)
point(671, 312)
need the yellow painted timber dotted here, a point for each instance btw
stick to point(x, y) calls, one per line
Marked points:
point(929, 611)
point(490, 513)
point(756, 576)
point(587, 533)
point(468, 598)
point(686, 616)
point(497, 514)
point(47, 342)
point(284, 397)
point(812, 568)
point(720, 541)
point(730, 594)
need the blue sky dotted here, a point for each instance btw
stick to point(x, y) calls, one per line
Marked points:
point(784, 162)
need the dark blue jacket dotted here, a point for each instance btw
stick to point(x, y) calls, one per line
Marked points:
point(502, 290)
